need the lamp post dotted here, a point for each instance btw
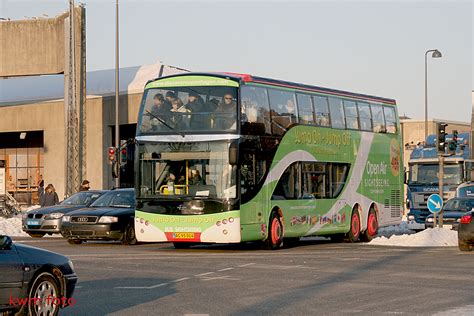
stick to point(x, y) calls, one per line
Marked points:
point(117, 127)
point(436, 54)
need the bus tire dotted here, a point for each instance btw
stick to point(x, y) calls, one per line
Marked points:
point(354, 232)
point(372, 227)
point(181, 245)
point(275, 233)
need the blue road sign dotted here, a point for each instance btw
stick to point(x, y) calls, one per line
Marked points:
point(435, 203)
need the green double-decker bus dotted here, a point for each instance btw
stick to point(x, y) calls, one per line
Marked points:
point(230, 158)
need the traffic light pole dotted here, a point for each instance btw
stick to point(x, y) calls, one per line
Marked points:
point(441, 184)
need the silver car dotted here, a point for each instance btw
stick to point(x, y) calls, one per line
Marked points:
point(47, 220)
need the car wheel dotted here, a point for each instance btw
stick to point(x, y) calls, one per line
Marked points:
point(39, 235)
point(74, 241)
point(275, 233)
point(464, 246)
point(129, 237)
point(354, 232)
point(372, 227)
point(182, 245)
point(45, 289)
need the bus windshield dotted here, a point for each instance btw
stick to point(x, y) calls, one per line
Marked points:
point(428, 174)
point(198, 170)
point(189, 109)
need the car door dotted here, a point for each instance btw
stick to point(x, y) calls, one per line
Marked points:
point(11, 275)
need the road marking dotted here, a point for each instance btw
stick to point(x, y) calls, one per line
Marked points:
point(179, 280)
point(245, 265)
point(140, 287)
point(202, 274)
point(226, 269)
point(224, 277)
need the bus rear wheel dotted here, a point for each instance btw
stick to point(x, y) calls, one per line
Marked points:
point(354, 232)
point(372, 227)
point(275, 233)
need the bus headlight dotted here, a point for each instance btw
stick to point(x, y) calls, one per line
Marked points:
point(108, 219)
point(429, 220)
point(411, 217)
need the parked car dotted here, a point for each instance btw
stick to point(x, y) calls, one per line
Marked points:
point(47, 220)
point(109, 218)
point(453, 210)
point(466, 232)
point(29, 275)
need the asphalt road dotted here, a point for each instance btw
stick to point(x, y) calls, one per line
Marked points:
point(317, 278)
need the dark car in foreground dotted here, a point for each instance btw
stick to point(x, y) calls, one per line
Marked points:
point(466, 232)
point(34, 281)
point(108, 218)
point(453, 210)
point(47, 220)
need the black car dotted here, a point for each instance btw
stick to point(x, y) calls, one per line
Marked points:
point(466, 232)
point(453, 210)
point(108, 218)
point(47, 220)
point(33, 280)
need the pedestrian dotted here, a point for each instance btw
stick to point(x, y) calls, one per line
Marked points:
point(84, 186)
point(50, 197)
point(40, 191)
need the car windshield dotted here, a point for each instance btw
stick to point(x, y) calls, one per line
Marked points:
point(116, 199)
point(199, 169)
point(463, 205)
point(428, 174)
point(81, 198)
point(189, 109)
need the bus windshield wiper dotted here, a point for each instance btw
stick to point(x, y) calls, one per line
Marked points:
point(165, 124)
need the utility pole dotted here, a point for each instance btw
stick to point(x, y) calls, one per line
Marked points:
point(117, 127)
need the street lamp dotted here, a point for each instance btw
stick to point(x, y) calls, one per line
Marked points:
point(436, 54)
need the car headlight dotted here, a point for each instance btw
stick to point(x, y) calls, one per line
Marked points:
point(24, 216)
point(66, 218)
point(54, 216)
point(108, 219)
point(411, 217)
point(429, 220)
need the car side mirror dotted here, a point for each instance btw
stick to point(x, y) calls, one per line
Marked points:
point(5, 242)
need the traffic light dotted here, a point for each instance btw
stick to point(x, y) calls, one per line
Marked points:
point(112, 153)
point(123, 156)
point(454, 142)
point(441, 136)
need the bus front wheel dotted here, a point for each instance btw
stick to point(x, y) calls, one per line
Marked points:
point(275, 233)
point(354, 232)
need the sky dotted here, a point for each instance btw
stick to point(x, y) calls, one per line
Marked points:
point(371, 47)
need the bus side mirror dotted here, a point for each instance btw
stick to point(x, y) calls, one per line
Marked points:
point(406, 176)
point(234, 153)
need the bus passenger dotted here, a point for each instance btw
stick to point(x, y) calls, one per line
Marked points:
point(200, 118)
point(226, 113)
point(286, 118)
point(159, 106)
point(178, 117)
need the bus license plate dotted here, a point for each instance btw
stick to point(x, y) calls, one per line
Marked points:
point(184, 235)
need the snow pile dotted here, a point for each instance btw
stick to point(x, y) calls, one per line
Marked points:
point(395, 230)
point(12, 226)
point(430, 237)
